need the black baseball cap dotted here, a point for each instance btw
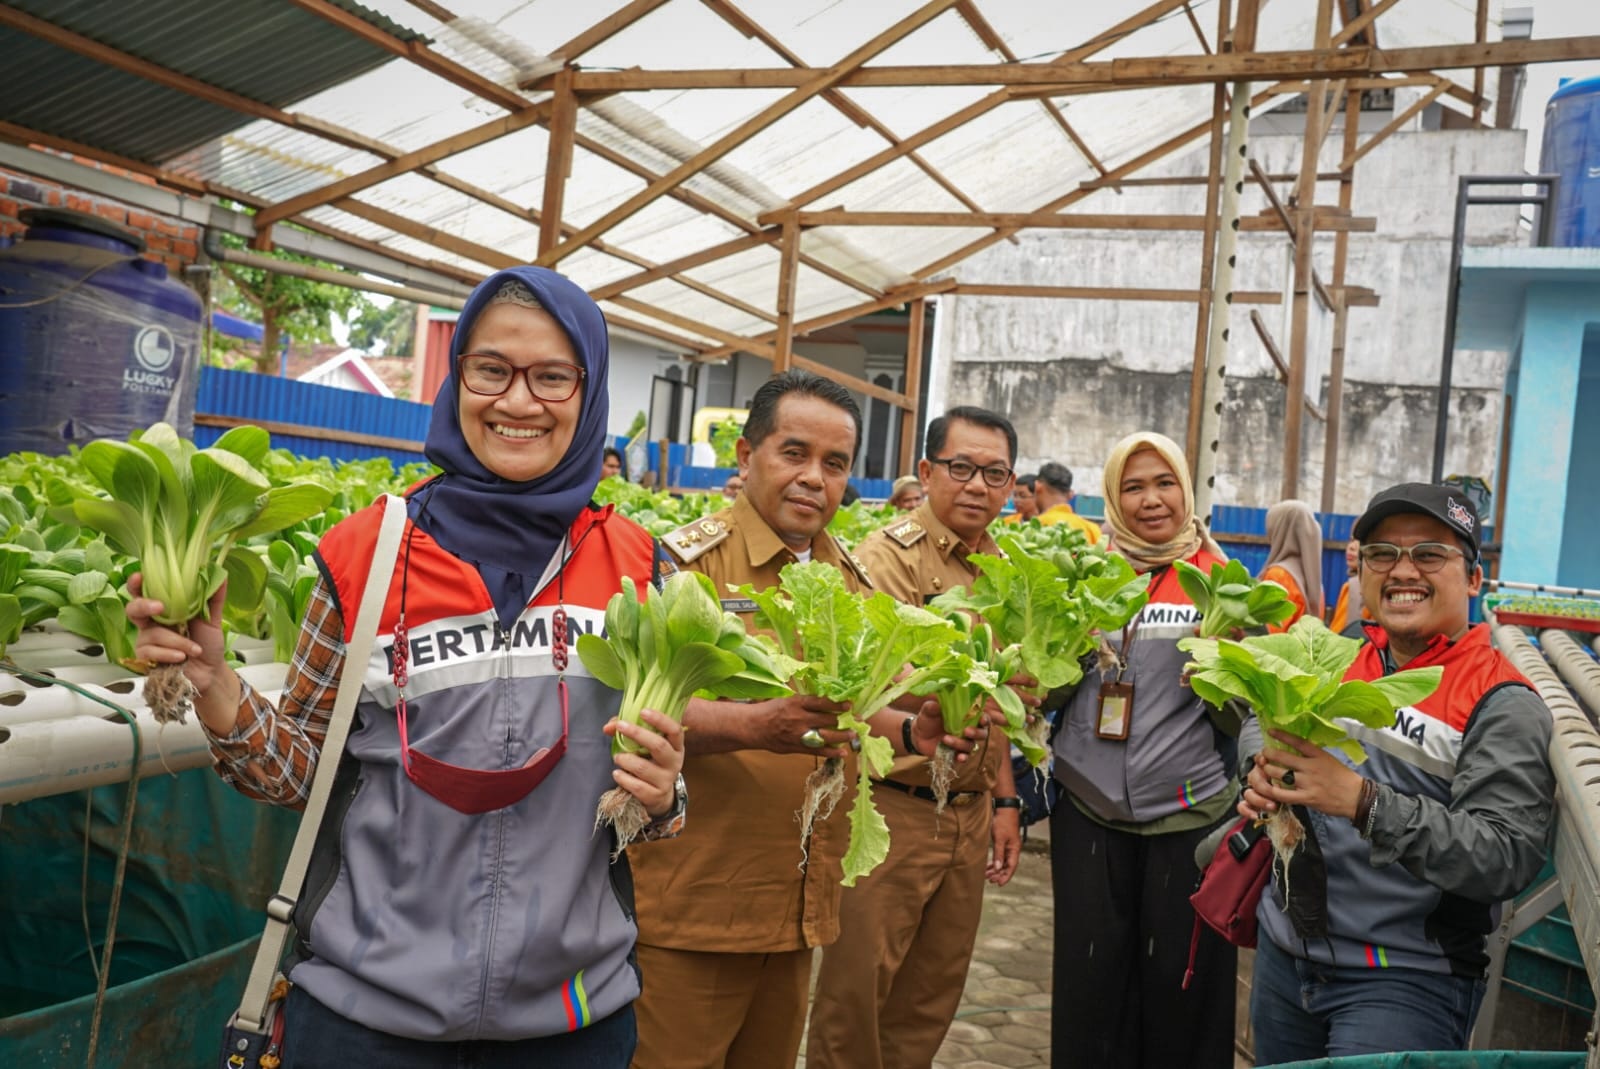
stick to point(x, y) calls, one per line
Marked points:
point(1444, 503)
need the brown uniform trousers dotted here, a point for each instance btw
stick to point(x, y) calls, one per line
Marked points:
point(728, 913)
point(890, 986)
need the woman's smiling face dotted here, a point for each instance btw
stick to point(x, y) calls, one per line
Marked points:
point(515, 435)
point(1151, 498)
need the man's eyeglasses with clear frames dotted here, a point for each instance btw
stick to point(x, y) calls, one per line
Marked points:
point(1427, 556)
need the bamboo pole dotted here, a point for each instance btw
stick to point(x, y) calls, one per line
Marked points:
point(1341, 316)
point(913, 382)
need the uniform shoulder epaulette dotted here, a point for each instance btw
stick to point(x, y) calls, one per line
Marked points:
point(907, 533)
point(692, 540)
point(851, 561)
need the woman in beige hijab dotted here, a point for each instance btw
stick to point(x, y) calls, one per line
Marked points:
point(1145, 777)
point(1294, 558)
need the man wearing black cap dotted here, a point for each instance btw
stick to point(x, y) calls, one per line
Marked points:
point(1380, 943)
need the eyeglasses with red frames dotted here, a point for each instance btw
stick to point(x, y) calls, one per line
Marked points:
point(490, 376)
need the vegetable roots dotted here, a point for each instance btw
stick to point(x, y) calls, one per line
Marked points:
point(941, 771)
point(624, 813)
point(168, 693)
point(824, 788)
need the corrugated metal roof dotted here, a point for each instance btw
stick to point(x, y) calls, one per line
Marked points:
point(1014, 158)
point(268, 51)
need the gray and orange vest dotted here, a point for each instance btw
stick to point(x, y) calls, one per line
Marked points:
point(1343, 911)
point(423, 921)
point(1171, 759)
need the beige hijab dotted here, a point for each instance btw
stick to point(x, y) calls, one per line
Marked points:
point(1192, 535)
point(1294, 541)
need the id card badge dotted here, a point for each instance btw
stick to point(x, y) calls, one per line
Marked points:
point(1116, 710)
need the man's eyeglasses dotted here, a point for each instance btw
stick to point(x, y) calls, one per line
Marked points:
point(962, 471)
point(1427, 556)
point(491, 376)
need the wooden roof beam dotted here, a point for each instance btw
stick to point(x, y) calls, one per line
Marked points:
point(410, 161)
point(1328, 218)
point(22, 135)
point(600, 32)
point(898, 295)
point(1064, 79)
point(980, 107)
point(845, 106)
point(991, 38)
point(1358, 25)
point(1395, 125)
point(819, 82)
point(1134, 165)
point(417, 53)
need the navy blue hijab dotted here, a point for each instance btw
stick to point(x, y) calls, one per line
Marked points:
point(510, 530)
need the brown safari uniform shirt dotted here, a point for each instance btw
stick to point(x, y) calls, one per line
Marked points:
point(733, 882)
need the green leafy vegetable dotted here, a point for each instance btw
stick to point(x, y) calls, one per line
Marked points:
point(962, 703)
point(856, 650)
point(1051, 606)
point(1229, 599)
point(181, 512)
point(1295, 682)
point(663, 651)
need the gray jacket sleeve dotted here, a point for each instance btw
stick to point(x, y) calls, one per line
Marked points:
point(1489, 841)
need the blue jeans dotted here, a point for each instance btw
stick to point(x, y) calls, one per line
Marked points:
point(1300, 1010)
point(315, 1037)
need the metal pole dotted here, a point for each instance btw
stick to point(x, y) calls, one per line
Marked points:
point(1205, 464)
point(1441, 425)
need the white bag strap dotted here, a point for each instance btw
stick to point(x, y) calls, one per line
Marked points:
point(252, 1015)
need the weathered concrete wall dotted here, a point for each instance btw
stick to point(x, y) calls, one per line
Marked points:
point(1077, 375)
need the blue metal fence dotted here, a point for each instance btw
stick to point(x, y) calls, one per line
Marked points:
point(269, 400)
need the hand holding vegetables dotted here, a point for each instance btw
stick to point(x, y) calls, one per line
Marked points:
point(1294, 682)
point(181, 512)
point(660, 652)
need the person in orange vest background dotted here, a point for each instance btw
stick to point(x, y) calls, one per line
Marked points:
point(1294, 558)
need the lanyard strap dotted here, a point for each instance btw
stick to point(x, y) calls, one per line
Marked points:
point(252, 1015)
point(1130, 630)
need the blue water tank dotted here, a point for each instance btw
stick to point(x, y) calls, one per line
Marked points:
point(1572, 149)
point(95, 340)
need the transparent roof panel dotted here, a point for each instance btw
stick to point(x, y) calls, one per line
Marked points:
point(1011, 155)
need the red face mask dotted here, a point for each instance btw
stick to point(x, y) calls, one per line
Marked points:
point(473, 790)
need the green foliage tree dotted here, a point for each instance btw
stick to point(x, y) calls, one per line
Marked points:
point(285, 304)
point(390, 328)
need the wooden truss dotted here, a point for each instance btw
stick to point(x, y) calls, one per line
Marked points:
point(1339, 64)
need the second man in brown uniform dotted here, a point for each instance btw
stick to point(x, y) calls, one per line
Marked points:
point(891, 984)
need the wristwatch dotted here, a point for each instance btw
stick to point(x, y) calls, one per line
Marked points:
point(1008, 803)
point(670, 823)
point(905, 737)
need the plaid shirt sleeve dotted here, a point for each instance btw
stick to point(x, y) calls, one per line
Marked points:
point(271, 753)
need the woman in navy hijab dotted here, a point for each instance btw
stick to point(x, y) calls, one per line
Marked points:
point(460, 907)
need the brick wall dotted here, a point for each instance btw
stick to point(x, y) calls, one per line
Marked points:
point(171, 241)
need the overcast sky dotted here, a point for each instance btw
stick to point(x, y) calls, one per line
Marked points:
point(1555, 18)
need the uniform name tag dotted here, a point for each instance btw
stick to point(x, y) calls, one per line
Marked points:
point(738, 605)
point(1116, 711)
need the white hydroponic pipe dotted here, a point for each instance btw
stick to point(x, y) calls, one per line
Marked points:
point(24, 701)
point(45, 757)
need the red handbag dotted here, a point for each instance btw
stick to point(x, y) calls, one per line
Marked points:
point(1230, 887)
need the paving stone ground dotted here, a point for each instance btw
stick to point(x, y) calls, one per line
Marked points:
point(1004, 1020)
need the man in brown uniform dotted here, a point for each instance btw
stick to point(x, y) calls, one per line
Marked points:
point(729, 912)
point(891, 984)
